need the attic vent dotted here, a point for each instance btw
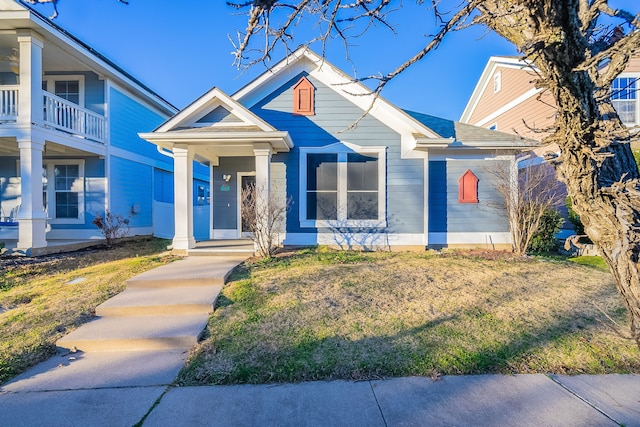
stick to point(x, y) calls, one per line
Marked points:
point(303, 98)
point(468, 188)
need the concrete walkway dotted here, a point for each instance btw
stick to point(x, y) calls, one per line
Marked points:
point(132, 382)
point(482, 400)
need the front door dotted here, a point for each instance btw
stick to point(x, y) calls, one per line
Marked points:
point(248, 186)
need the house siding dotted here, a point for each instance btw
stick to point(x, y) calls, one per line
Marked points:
point(514, 82)
point(131, 184)
point(128, 117)
point(333, 115)
point(527, 119)
point(446, 214)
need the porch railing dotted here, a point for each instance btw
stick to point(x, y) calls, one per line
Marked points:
point(8, 103)
point(58, 113)
point(69, 117)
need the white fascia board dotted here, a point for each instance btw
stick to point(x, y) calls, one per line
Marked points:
point(318, 67)
point(111, 84)
point(207, 103)
point(492, 145)
point(485, 78)
point(288, 63)
point(280, 141)
point(508, 106)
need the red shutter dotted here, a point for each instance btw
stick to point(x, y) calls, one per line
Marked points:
point(303, 98)
point(468, 188)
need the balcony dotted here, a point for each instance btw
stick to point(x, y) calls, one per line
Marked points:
point(59, 114)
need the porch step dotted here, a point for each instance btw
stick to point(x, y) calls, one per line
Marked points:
point(121, 333)
point(188, 272)
point(161, 301)
point(246, 252)
point(228, 247)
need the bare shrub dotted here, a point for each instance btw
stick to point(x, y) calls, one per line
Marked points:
point(112, 226)
point(264, 219)
point(527, 194)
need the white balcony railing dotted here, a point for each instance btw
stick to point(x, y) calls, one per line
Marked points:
point(69, 117)
point(8, 103)
point(58, 113)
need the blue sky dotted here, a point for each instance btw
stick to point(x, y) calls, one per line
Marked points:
point(182, 51)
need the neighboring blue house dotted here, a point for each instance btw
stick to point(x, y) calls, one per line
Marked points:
point(69, 145)
point(398, 178)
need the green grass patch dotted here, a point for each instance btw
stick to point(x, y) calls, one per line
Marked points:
point(321, 314)
point(42, 298)
point(591, 261)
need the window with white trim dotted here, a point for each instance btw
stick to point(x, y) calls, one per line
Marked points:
point(65, 191)
point(70, 88)
point(343, 184)
point(624, 96)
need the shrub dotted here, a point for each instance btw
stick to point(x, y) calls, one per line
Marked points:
point(111, 226)
point(544, 239)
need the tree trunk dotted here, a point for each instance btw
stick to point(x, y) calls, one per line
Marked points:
point(596, 161)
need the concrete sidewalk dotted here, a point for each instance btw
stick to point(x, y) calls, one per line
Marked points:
point(482, 400)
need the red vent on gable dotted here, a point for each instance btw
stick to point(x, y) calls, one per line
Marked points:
point(468, 188)
point(303, 98)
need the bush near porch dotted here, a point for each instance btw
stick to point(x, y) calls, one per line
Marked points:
point(320, 314)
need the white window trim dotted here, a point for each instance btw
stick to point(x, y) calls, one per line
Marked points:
point(50, 80)
point(343, 148)
point(497, 82)
point(51, 192)
point(637, 100)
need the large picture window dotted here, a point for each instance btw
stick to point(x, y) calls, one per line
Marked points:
point(342, 183)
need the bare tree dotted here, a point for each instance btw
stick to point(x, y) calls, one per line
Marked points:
point(527, 193)
point(264, 219)
point(578, 59)
point(54, 3)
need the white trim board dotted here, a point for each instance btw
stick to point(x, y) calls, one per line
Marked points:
point(488, 239)
point(328, 238)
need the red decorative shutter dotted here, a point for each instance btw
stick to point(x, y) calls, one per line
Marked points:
point(468, 188)
point(303, 98)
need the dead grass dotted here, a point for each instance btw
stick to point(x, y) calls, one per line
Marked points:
point(42, 299)
point(323, 315)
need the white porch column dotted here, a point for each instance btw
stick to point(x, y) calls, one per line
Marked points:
point(30, 94)
point(263, 178)
point(32, 220)
point(183, 197)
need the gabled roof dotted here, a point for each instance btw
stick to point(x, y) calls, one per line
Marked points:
point(214, 98)
point(485, 79)
point(304, 59)
point(216, 125)
point(465, 136)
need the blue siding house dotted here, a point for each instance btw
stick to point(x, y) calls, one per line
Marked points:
point(69, 144)
point(396, 179)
